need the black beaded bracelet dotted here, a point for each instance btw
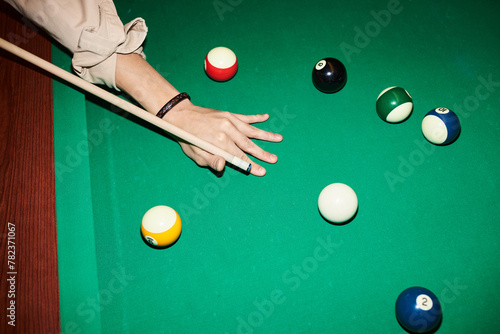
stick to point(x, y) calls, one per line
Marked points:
point(172, 103)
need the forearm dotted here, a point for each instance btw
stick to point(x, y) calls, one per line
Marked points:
point(142, 82)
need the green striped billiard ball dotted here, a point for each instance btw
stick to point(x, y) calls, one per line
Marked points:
point(394, 104)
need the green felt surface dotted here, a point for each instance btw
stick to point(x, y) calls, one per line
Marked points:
point(75, 224)
point(254, 254)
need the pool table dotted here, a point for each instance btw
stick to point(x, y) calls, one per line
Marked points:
point(255, 255)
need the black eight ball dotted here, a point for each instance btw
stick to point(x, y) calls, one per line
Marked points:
point(329, 75)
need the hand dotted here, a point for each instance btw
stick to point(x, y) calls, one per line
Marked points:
point(230, 132)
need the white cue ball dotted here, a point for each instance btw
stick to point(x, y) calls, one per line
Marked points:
point(337, 203)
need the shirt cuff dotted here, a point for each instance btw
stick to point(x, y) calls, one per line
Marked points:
point(95, 56)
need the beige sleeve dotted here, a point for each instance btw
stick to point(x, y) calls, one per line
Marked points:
point(91, 30)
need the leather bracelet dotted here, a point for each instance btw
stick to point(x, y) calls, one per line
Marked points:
point(172, 103)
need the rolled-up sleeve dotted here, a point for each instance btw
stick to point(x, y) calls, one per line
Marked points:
point(91, 30)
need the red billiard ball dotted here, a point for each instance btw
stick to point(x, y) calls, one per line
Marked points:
point(221, 64)
point(329, 75)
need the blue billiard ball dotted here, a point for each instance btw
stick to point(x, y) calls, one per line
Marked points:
point(418, 310)
point(441, 126)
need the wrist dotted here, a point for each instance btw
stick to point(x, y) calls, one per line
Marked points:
point(143, 83)
point(182, 106)
point(172, 103)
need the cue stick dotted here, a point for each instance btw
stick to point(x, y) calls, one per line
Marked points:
point(123, 104)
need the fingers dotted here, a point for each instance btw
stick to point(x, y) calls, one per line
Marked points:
point(242, 122)
point(230, 132)
point(248, 146)
point(215, 162)
point(258, 170)
point(203, 158)
point(251, 119)
point(236, 134)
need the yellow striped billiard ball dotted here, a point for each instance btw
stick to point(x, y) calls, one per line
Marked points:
point(161, 226)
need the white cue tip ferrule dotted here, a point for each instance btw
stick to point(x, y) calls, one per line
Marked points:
point(242, 164)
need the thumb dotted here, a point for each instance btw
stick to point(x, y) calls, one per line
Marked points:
point(217, 163)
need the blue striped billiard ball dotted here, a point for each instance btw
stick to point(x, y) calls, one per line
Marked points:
point(418, 310)
point(441, 126)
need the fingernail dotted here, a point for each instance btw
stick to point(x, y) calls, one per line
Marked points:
point(216, 164)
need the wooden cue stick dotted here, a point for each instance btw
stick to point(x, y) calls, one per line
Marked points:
point(125, 105)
